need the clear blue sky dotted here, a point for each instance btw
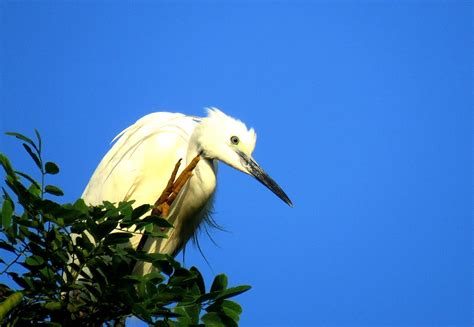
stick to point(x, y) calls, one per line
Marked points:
point(364, 116)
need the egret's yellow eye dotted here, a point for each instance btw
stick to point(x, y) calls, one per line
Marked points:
point(234, 140)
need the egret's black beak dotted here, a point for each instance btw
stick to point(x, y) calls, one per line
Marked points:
point(256, 171)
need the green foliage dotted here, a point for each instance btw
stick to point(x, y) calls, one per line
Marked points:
point(86, 279)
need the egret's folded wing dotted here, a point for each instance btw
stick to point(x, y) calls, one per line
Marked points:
point(141, 160)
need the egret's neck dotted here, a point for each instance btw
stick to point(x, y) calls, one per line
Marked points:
point(205, 172)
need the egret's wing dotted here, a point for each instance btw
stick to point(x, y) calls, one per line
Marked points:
point(141, 161)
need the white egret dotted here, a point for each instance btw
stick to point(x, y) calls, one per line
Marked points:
point(139, 164)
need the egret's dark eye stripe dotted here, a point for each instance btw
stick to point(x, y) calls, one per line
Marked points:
point(234, 140)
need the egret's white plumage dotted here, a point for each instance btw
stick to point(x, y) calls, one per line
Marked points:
point(139, 165)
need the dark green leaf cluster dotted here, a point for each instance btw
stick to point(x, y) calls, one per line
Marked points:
point(71, 269)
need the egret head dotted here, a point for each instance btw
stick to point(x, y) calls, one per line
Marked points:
point(227, 139)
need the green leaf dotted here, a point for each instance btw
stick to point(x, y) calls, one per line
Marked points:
point(23, 138)
point(81, 206)
point(117, 238)
point(157, 221)
point(214, 319)
point(140, 211)
point(134, 279)
point(230, 308)
point(34, 261)
point(149, 228)
point(126, 209)
point(219, 283)
point(93, 289)
point(233, 291)
point(189, 314)
point(51, 189)
point(52, 306)
point(162, 265)
point(35, 191)
point(154, 276)
point(104, 229)
point(140, 311)
point(7, 165)
point(83, 242)
point(7, 212)
point(37, 246)
point(11, 302)
point(38, 137)
point(33, 155)
point(29, 178)
point(47, 272)
point(51, 168)
point(199, 280)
